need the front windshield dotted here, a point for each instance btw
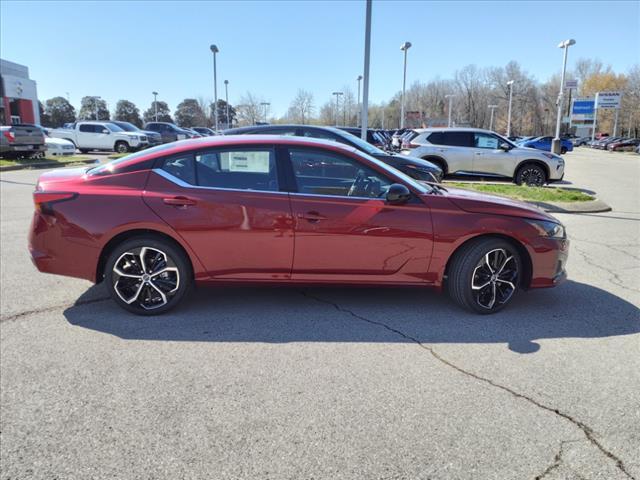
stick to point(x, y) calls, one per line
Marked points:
point(114, 128)
point(362, 145)
point(126, 126)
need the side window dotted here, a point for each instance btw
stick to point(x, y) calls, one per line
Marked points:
point(484, 140)
point(281, 131)
point(86, 128)
point(435, 138)
point(181, 167)
point(242, 169)
point(458, 139)
point(317, 133)
point(324, 173)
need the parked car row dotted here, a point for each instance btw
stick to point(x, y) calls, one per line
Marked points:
point(615, 144)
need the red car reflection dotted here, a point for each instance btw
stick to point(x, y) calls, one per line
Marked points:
point(253, 209)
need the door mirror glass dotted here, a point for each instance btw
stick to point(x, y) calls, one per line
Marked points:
point(505, 146)
point(397, 194)
point(104, 130)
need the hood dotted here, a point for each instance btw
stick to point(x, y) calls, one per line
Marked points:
point(408, 160)
point(150, 133)
point(478, 202)
point(131, 134)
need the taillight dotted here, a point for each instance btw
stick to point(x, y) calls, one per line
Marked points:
point(9, 135)
point(44, 200)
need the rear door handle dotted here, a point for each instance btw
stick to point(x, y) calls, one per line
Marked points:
point(312, 217)
point(179, 201)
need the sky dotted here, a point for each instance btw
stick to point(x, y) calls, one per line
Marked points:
point(127, 49)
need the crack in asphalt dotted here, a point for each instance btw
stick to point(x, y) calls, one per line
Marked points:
point(586, 430)
point(615, 277)
point(26, 313)
point(620, 248)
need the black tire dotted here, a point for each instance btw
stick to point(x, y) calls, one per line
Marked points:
point(531, 174)
point(141, 289)
point(468, 268)
point(437, 162)
point(121, 147)
point(563, 150)
point(84, 150)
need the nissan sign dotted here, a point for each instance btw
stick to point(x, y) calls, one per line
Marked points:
point(608, 99)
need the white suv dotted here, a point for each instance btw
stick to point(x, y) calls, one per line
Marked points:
point(472, 151)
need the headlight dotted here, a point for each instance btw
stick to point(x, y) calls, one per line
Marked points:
point(548, 229)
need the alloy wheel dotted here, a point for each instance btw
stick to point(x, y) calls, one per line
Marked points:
point(494, 279)
point(532, 176)
point(146, 277)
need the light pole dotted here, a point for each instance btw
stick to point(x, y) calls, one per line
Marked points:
point(492, 108)
point(265, 105)
point(510, 83)
point(214, 50)
point(405, 48)
point(337, 94)
point(359, 79)
point(95, 106)
point(556, 143)
point(155, 103)
point(364, 115)
point(450, 97)
point(226, 99)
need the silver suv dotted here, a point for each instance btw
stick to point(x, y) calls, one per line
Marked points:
point(472, 151)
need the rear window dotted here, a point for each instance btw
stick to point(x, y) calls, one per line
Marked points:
point(115, 166)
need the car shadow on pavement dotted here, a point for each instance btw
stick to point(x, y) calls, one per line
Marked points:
point(367, 315)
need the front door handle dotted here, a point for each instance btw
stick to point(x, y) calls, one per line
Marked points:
point(179, 201)
point(312, 216)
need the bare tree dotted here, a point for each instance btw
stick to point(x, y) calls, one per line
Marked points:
point(249, 111)
point(301, 108)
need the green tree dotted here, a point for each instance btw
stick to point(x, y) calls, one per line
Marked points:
point(223, 121)
point(164, 114)
point(58, 111)
point(45, 121)
point(127, 111)
point(190, 114)
point(93, 108)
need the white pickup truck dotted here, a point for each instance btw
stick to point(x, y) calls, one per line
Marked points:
point(101, 136)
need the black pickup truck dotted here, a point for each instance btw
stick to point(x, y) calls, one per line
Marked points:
point(21, 141)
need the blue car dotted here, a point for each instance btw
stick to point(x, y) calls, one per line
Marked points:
point(544, 143)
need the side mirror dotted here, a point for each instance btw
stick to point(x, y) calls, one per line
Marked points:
point(504, 146)
point(104, 130)
point(398, 194)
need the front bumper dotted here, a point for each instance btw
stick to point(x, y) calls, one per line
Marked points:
point(549, 258)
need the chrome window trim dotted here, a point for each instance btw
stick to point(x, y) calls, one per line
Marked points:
point(182, 183)
point(178, 181)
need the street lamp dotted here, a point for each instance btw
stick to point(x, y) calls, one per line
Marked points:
point(450, 97)
point(556, 144)
point(155, 103)
point(359, 79)
point(265, 105)
point(214, 50)
point(337, 94)
point(510, 83)
point(492, 107)
point(226, 97)
point(404, 47)
point(95, 106)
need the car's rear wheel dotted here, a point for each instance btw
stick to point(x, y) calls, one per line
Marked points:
point(531, 174)
point(84, 150)
point(147, 276)
point(121, 147)
point(563, 150)
point(484, 275)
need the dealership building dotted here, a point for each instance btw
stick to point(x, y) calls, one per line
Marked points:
point(18, 95)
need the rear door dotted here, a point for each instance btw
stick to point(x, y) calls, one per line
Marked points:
point(456, 148)
point(85, 136)
point(228, 205)
point(345, 231)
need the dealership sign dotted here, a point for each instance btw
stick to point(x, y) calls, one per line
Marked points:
point(608, 99)
point(583, 109)
point(571, 84)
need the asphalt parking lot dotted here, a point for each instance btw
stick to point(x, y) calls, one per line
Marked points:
point(289, 383)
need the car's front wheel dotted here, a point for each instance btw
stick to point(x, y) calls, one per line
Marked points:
point(484, 275)
point(531, 174)
point(121, 147)
point(147, 276)
point(563, 150)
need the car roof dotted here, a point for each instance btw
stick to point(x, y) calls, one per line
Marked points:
point(452, 129)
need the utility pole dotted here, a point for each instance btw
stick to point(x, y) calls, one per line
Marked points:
point(405, 48)
point(214, 50)
point(492, 107)
point(364, 115)
point(337, 94)
point(155, 103)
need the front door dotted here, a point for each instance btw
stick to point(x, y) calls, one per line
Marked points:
point(227, 205)
point(489, 159)
point(346, 231)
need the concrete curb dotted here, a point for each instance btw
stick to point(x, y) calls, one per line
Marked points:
point(592, 206)
point(37, 165)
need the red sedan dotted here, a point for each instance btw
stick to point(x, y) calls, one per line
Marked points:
point(268, 209)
